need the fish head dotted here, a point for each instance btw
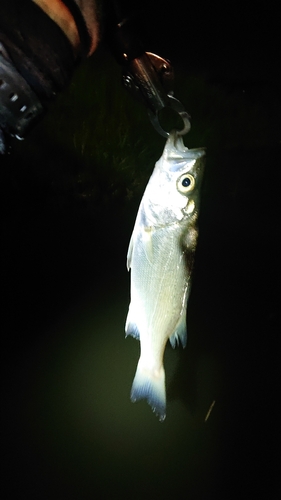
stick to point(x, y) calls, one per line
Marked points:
point(172, 194)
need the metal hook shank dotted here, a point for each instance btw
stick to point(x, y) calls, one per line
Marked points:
point(150, 78)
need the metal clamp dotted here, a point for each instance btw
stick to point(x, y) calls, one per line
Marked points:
point(150, 78)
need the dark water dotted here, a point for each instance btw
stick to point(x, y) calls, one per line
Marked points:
point(69, 428)
point(70, 431)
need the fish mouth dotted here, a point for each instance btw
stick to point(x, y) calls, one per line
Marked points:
point(175, 145)
point(176, 150)
point(177, 141)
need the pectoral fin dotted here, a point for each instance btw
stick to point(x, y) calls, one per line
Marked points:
point(147, 243)
point(130, 252)
point(144, 239)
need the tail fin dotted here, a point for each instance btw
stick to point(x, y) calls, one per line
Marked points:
point(150, 385)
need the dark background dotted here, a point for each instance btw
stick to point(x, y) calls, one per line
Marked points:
point(70, 194)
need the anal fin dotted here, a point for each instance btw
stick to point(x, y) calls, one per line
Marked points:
point(131, 327)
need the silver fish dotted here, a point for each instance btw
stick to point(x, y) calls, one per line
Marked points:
point(160, 257)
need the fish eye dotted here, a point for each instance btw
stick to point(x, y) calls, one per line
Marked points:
point(185, 183)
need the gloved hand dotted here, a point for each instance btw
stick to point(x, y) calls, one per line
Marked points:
point(41, 43)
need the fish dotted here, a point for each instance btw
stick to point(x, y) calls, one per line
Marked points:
point(160, 259)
